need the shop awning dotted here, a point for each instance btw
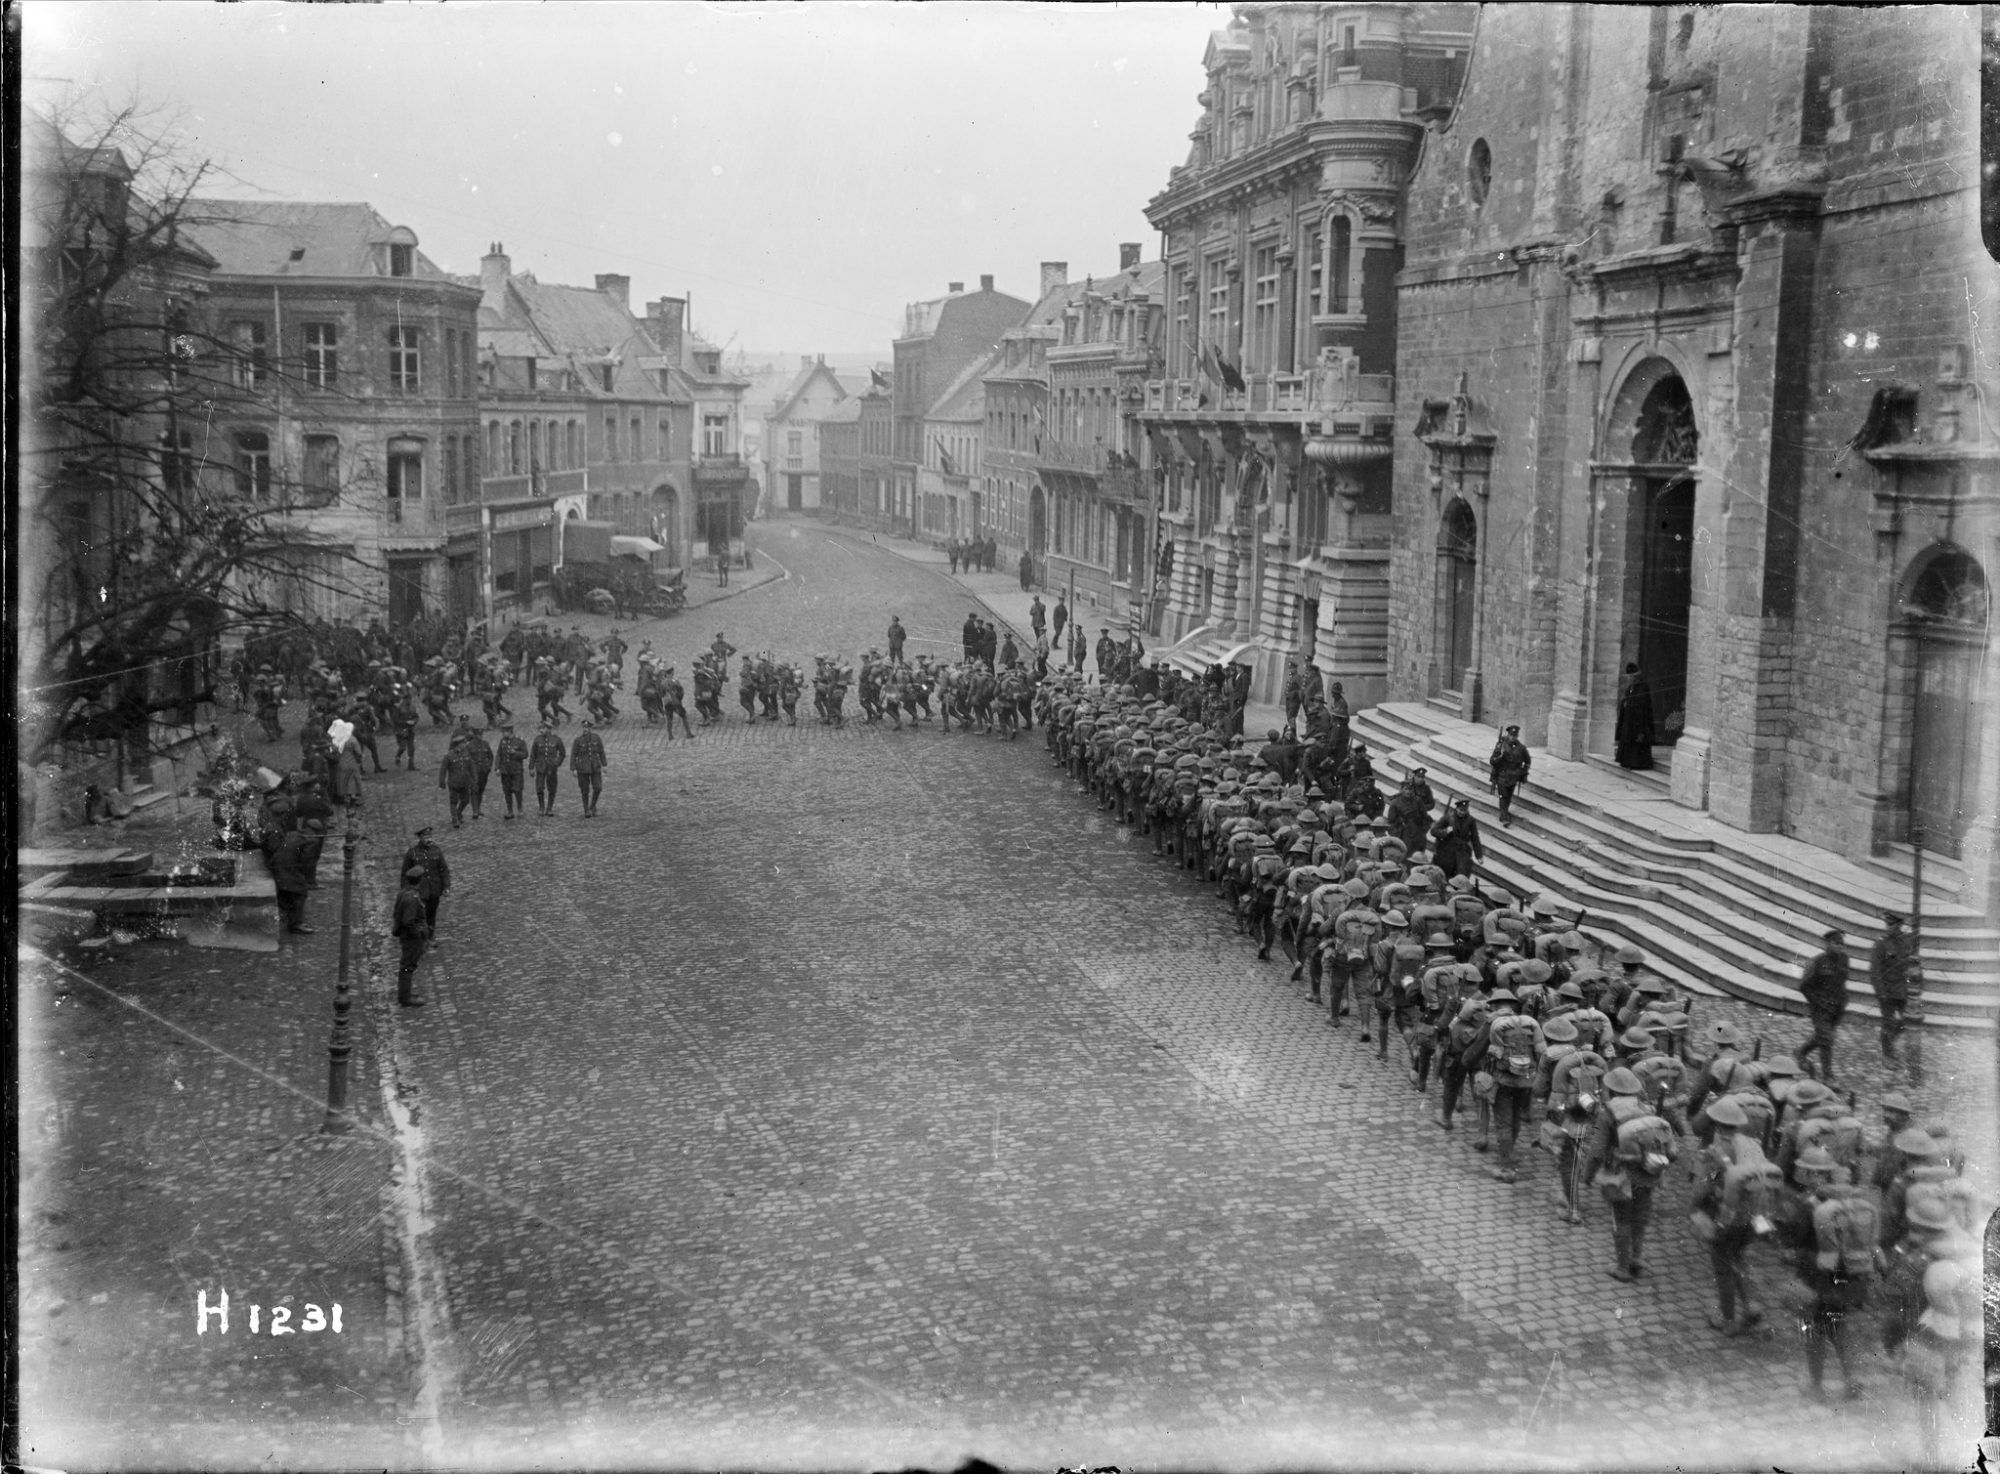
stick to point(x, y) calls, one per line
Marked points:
point(635, 547)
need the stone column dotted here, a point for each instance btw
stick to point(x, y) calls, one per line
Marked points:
point(1732, 756)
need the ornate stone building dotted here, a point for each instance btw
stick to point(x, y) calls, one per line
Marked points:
point(1273, 423)
point(1690, 378)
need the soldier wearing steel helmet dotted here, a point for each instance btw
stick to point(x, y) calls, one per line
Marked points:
point(1630, 1149)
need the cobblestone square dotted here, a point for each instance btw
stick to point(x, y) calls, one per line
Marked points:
point(853, 1096)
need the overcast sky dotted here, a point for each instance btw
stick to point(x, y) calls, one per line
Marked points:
point(801, 170)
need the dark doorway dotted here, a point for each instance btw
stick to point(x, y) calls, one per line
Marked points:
point(1308, 630)
point(795, 496)
point(406, 592)
point(1038, 522)
point(1948, 605)
point(1666, 592)
point(1457, 593)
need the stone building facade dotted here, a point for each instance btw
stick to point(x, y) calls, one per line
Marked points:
point(373, 410)
point(792, 447)
point(587, 413)
point(1272, 421)
point(940, 339)
point(1092, 463)
point(1689, 377)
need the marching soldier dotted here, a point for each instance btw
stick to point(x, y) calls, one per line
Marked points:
point(435, 881)
point(586, 760)
point(456, 776)
point(412, 928)
point(512, 762)
point(545, 759)
point(482, 769)
point(673, 702)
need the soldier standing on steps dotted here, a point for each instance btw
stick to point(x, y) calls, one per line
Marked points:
point(1825, 988)
point(1508, 769)
point(1455, 842)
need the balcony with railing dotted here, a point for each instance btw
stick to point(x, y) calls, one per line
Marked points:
point(1282, 396)
point(530, 485)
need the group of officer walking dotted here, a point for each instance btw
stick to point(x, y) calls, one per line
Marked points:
point(1512, 1015)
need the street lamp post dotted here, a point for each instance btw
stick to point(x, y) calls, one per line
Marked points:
point(340, 1047)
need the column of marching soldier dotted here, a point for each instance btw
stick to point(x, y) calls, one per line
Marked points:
point(1378, 906)
point(1509, 1011)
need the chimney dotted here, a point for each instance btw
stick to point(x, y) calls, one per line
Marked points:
point(1128, 255)
point(1054, 274)
point(494, 269)
point(663, 320)
point(613, 285)
point(955, 287)
point(986, 282)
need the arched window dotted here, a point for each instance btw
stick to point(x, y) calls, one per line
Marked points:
point(514, 448)
point(1951, 589)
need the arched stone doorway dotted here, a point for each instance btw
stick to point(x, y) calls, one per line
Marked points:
point(1943, 626)
point(1456, 595)
point(1038, 522)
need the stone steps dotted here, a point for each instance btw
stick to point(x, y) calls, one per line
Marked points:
point(1722, 912)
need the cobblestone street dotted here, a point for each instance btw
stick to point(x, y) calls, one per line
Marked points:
point(846, 1095)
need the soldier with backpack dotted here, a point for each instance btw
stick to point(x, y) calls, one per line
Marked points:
point(1738, 1202)
point(1942, 1354)
point(1398, 960)
point(1510, 1054)
point(1575, 1100)
point(1631, 1149)
point(1468, 1026)
point(1836, 1233)
point(1445, 983)
point(1346, 953)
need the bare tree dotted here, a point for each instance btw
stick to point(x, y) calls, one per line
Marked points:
point(144, 543)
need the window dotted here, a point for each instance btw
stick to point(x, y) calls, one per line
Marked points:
point(666, 438)
point(451, 363)
point(252, 353)
point(534, 446)
point(604, 375)
point(406, 477)
point(401, 260)
point(253, 464)
point(403, 359)
point(530, 365)
point(1315, 276)
point(322, 368)
point(1216, 305)
point(451, 470)
point(1339, 260)
point(1479, 171)
point(322, 468)
point(635, 445)
point(575, 444)
point(714, 434)
point(610, 435)
point(468, 375)
point(177, 460)
point(514, 448)
point(492, 442)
